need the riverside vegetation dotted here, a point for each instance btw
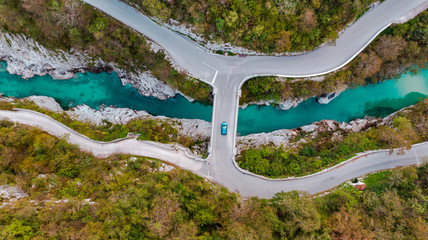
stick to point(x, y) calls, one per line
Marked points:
point(326, 149)
point(70, 24)
point(148, 129)
point(261, 25)
point(73, 195)
point(398, 49)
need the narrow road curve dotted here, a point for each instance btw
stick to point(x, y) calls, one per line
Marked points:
point(227, 74)
point(247, 185)
point(203, 65)
point(104, 149)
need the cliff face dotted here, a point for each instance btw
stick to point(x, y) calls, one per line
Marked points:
point(193, 128)
point(28, 58)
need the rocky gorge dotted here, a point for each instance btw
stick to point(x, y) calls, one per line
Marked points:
point(194, 128)
point(199, 130)
point(28, 58)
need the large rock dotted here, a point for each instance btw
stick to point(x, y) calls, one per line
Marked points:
point(11, 193)
point(146, 84)
point(46, 103)
point(290, 103)
point(356, 125)
point(277, 138)
point(194, 128)
point(85, 113)
point(327, 98)
point(309, 128)
point(328, 125)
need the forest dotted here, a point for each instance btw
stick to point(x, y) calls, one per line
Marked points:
point(72, 25)
point(400, 48)
point(263, 25)
point(73, 195)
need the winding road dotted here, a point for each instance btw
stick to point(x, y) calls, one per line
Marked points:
point(245, 184)
point(227, 74)
point(131, 146)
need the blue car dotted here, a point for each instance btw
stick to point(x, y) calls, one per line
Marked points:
point(223, 128)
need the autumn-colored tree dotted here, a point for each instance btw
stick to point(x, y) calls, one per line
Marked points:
point(368, 65)
point(402, 135)
point(162, 215)
point(389, 47)
point(283, 44)
point(347, 225)
point(35, 6)
point(316, 3)
point(156, 8)
point(308, 20)
point(246, 221)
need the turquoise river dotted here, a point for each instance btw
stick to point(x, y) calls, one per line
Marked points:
point(106, 89)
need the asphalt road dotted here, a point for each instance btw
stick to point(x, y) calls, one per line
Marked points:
point(235, 180)
point(248, 185)
point(203, 65)
point(105, 149)
point(226, 74)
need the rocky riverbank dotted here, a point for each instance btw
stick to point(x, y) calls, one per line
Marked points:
point(290, 138)
point(28, 58)
point(328, 97)
point(291, 102)
point(196, 129)
point(193, 128)
point(294, 102)
point(283, 105)
point(199, 130)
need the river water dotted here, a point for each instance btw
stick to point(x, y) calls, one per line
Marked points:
point(373, 100)
point(106, 89)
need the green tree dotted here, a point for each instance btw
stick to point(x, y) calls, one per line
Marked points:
point(298, 214)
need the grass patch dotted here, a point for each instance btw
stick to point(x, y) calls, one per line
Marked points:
point(376, 181)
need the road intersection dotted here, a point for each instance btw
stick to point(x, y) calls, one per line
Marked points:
point(226, 74)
